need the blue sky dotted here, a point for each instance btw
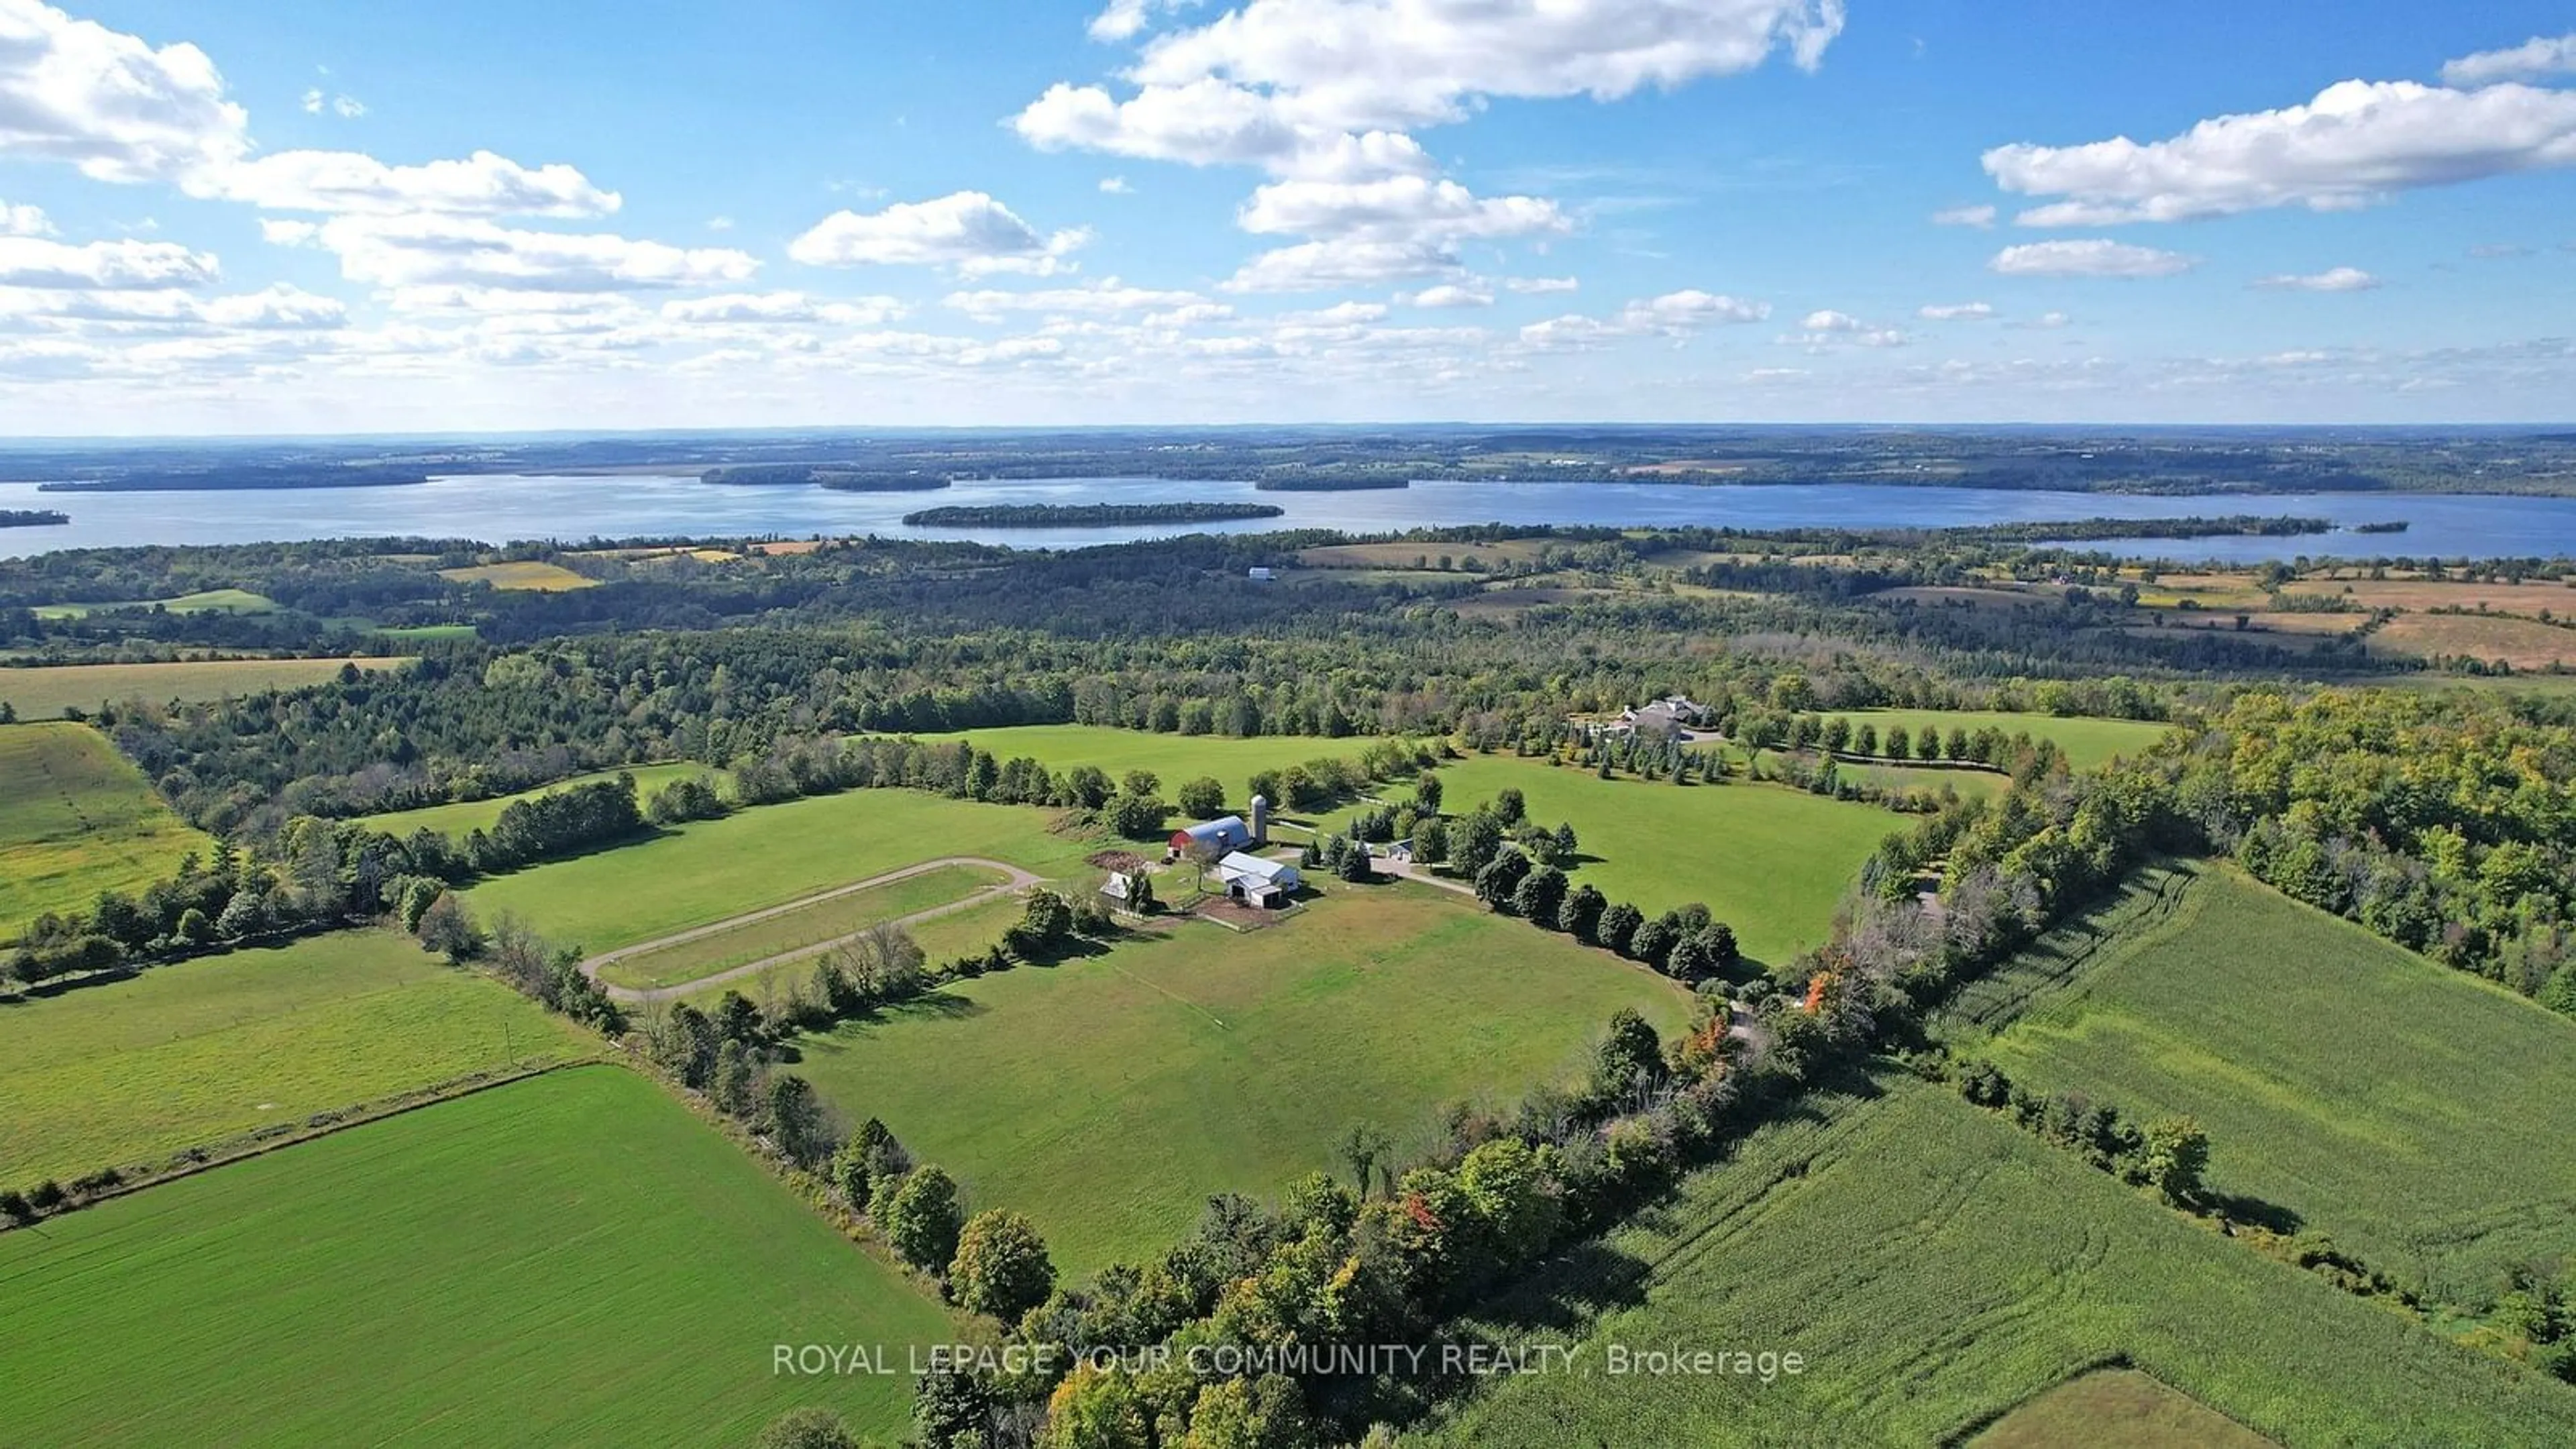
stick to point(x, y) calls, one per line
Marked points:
point(226, 217)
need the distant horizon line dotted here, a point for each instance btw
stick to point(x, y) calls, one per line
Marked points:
point(36, 440)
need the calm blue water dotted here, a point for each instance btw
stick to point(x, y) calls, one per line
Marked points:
point(501, 508)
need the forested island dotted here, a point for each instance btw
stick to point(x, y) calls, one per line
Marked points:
point(245, 477)
point(31, 517)
point(1330, 483)
point(2089, 530)
point(840, 480)
point(1086, 515)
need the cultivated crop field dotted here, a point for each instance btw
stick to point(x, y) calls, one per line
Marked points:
point(713, 870)
point(1174, 758)
point(117, 1072)
point(529, 574)
point(1936, 1266)
point(568, 1259)
point(77, 819)
point(2417, 1114)
point(803, 927)
point(1108, 1096)
point(44, 691)
point(461, 817)
point(1767, 860)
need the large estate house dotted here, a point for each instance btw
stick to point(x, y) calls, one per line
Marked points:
point(1676, 714)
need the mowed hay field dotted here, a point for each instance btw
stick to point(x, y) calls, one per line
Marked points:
point(1175, 759)
point(1107, 1097)
point(571, 1259)
point(180, 1056)
point(462, 817)
point(76, 818)
point(805, 927)
point(2522, 643)
point(2116, 1409)
point(44, 691)
point(1935, 1266)
point(538, 576)
point(2418, 1115)
point(1767, 860)
point(713, 870)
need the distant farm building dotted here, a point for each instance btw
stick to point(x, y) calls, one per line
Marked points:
point(1223, 836)
point(1257, 881)
point(1260, 574)
point(1119, 888)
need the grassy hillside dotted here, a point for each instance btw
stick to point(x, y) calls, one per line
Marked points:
point(208, 601)
point(43, 691)
point(1934, 1266)
point(121, 1071)
point(709, 870)
point(1768, 860)
point(2417, 1114)
point(1107, 1097)
point(567, 1260)
point(77, 819)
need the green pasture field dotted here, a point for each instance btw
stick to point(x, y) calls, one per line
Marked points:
point(1108, 1096)
point(462, 817)
point(2087, 742)
point(1934, 1266)
point(117, 1072)
point(76, 818)
point(571, 1259)
point(1174, 758)
point(685, 961)
point(43, 691)
point(1767, 860)
point(2419, 1115)
point(208, 601)
point(707, 871)
point(1970, 784)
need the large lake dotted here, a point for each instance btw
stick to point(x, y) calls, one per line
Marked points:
point(504, 507)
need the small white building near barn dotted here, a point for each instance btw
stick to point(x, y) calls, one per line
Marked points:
point(1260, 574)
point(1257, 881)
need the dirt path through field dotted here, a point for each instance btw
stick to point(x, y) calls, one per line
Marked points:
point(1019, 880)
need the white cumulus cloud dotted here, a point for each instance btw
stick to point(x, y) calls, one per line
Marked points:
point(2093, 257)
point(1394, 208)
point(2357, 143)
point(2335, 279)
point(433, 251)
point(2535, 59)
point(1956, 312)
point(1449, 295)
point(967, 230)
point(31, 261)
